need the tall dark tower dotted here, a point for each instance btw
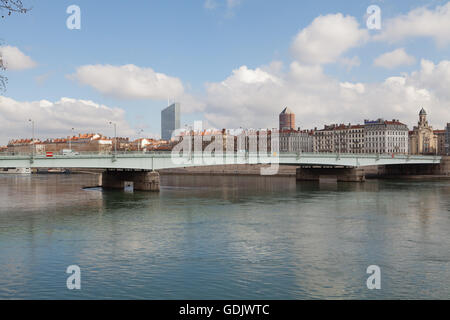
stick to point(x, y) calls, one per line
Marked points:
point(287, 119)
point(170, 121)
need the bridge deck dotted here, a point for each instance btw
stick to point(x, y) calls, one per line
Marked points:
point(155, 161)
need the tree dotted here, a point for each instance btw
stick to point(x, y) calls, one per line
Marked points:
point(3, 79)
point(9, 6)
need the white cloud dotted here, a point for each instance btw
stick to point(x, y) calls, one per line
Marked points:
point(434, 77)
point(129, 82)
point(356, 87)
point(393, 59)
point(254, 97)
point(55, 119)
point(420, 22)
point(14, 59)
point(190, 103)
point(133, 82)
point(327, 38)
point(248, 76)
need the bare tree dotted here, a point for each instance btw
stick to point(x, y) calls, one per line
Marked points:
point(3, 79)
point(9, 6)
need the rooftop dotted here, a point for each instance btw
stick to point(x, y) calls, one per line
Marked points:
point(287, 111)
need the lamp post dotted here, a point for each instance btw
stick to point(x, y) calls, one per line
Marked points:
point(70, 140)
point(32, 141)
point(115, 136)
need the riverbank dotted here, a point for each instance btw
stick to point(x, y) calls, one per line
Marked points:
point(225, 170)
point(429, 177)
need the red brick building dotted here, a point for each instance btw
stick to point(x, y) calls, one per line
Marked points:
point(287, 120)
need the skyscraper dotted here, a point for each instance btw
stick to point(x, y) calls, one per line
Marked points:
point(170, 120)
point(287, 119)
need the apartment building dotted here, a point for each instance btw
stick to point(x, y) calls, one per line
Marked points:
point(381, 136)
point(339, 138)
point(295, 141)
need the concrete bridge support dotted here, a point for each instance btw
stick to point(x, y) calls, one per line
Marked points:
point(138, 180)
point(331, 174)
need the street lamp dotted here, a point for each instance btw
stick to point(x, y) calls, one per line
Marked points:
point(32, 130)
point(70, 140)
point(115, 136)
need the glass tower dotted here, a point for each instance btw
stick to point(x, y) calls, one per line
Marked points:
point(170, 120)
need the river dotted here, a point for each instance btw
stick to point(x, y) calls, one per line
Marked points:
point(224, 238)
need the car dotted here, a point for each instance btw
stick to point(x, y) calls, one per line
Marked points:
point(68, 152)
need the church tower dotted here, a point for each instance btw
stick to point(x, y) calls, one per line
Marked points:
point(422, 139)
point(423, 118)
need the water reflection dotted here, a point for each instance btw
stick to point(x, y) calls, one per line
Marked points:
point(224, 237)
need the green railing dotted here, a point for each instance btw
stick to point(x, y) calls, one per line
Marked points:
point(168, 154)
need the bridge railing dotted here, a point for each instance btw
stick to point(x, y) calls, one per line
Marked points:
point(84, 154)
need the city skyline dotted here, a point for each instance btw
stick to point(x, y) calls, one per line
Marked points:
point(280, 126)
point(383, 72)
point(225, 156)
point(379, 136)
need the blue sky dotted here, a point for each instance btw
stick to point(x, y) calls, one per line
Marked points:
point(196, 44)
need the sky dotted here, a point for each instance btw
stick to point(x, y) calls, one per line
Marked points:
point(230, 63)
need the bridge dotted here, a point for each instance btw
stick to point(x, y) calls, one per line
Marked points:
point(139, 168)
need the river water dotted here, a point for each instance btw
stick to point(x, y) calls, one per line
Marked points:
point(224, 238)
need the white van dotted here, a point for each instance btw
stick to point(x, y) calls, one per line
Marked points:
point(68, 152)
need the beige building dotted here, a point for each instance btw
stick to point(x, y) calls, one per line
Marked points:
point(385, 137)
point(422, 139)
point(82, 143)
point(339, 139)
point(377, 136)
point(296, 141)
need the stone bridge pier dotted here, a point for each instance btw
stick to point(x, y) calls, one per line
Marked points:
point(130, 180)
point(330, 174)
